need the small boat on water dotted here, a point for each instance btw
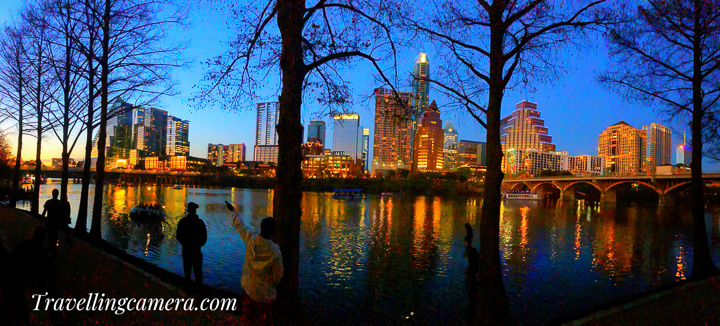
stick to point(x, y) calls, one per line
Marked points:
point(178, 187)
point(347, 193)
point(387, 194)
point(521, 195)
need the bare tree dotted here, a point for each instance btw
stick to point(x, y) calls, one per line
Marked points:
point(311, 45)
point(67, 68)
point(668, 54)
point(486, 46)
point(133, 63)
point(42, 85)
point(13, 86)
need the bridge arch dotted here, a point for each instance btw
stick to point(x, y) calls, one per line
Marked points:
point(534, 188)
point(519, 186)
point(633, 181)
point(572, 184)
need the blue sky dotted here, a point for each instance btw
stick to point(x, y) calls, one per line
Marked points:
point(576, 108)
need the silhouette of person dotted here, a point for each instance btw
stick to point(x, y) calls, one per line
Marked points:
point(192, 235)
point(54, 210)
point(28, 262)
point(471, 274)
point(263, 266)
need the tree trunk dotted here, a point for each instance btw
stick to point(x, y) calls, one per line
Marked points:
point(18, 157)
point(493, 305)
point(66, 116)
point(81, 223)
point(35, 205)
point(95, 228)
point(703, 265)
point(286, 203)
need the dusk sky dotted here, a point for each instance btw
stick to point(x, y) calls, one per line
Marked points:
point(575, 107)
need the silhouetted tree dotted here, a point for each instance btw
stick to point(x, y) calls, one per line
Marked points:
point(13, 86)
point(668, 54)
point(311, 45)
point(484, 47)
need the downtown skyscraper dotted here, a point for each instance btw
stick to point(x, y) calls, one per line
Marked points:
point(178, 137)
point(428, 152)
point(623, 148)
point(420, 91)
point(392, 145)
point(347, 135)
point(659, 145)
point(266, 138)
point(524, 129)
point(316, 132)
point(450, 147)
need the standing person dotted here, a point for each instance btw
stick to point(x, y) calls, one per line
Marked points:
point(471, 275)
point(192, 235)
point(54, 211)
point(263, 267)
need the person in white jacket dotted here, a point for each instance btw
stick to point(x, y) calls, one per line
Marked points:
point(263, 267)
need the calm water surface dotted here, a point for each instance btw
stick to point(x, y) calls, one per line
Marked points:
point(378, 260)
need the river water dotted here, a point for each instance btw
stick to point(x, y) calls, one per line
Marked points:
point(378, 260)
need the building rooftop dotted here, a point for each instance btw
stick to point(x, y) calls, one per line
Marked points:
point(621, 123)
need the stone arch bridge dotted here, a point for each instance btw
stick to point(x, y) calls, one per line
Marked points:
point(666, 186)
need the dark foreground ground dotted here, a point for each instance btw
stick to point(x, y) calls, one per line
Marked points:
point(85, 268)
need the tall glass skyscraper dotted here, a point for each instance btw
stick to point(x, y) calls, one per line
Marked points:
point(623, 148)
point(316, 132)
point(266, 139)
point(420, 91)
point(347, 135)
point(178, 137)
point(365, 147)
point(450, 147)
point(659, 144)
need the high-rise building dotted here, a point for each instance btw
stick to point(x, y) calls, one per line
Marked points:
point(450, 147)
point(347, 135)
point(155, 132)
point(586, 165)
point(178, 137)
point(683, 154)
point(659, 145)
point(428, 142)
point(623, 148)
point(236, 153)
point(316, 132)
point(470, 153)
point(365, 148)
point(265, 134)
point(532, 161)
point(217, 154)
point(420, 90)
point(523, 129)
point(392, 143)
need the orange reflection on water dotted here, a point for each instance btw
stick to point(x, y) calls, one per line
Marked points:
point(680, 261)
point(524, 231)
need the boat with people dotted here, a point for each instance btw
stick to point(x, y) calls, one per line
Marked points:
point(521, 195)
point(178, 187)
point(347, 193)
point(148, 212)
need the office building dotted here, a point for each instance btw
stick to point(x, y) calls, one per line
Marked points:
point(178, 137)
point(316, 132)
point(623, 148)
point(584, 165)
point(420, 91)
point(532, 161)
point(217, 154)
point(266, 137)
point(450, 147)
point(524, 129)
point(470, 153)
point(392, 144)
point(428, 152)
point(659, 145)
point(683, 154)
point(312, 148)
point(366, 148)
point(347, 135)
point(236, 153)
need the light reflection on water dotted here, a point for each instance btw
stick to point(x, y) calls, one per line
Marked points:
point(378, 259)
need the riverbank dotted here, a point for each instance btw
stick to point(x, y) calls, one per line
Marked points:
point(84, 268)
point(368, 185)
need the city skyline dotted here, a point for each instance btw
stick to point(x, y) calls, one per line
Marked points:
point(574, 99)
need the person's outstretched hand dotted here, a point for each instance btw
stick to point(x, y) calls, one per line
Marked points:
point(230, 206)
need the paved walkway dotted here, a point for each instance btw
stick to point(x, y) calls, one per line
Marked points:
point(696, 303)
point(84, 269)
